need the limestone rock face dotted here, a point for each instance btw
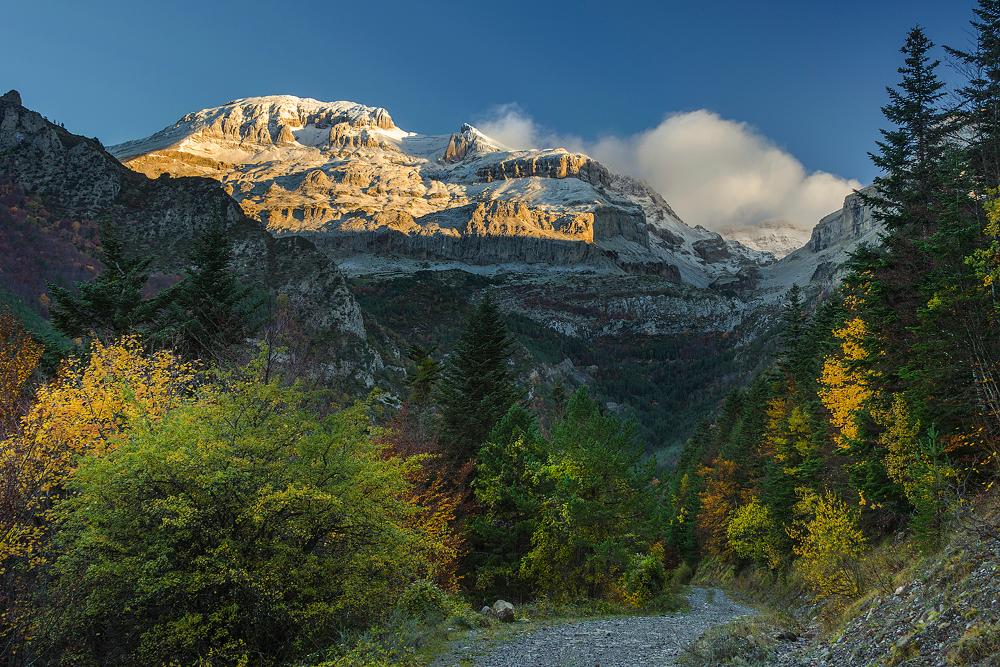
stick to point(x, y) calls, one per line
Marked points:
point(54, 164)
point(11, 97)
point(555, 164)
point(853, 222)
point(339, 169)
point(821, 263)
point(468, 142)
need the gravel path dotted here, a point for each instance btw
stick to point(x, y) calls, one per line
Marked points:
point(631, 641)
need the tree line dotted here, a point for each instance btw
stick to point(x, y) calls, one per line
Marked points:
point(881, 412)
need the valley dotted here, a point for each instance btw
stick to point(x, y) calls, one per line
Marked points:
point(692, 358)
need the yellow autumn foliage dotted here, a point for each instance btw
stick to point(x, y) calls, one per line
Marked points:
point(829, 544)
point(845, 389)
point(85, 410)
point(19, 357)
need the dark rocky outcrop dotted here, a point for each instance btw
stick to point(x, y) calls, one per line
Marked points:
point(78, 179)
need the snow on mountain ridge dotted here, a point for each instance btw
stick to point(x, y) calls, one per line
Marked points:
point(346, 172)
point(777, 238)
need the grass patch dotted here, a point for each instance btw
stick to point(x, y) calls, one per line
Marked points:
point(979, 642)
point(745, 642)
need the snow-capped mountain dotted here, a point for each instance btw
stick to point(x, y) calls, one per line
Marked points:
point(346, 175)
point(776, 238)
point(822, 262)
point(76, 180)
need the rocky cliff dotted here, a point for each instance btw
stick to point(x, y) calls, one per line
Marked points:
point(345, 173)
point(821, 263)
point(78, 180)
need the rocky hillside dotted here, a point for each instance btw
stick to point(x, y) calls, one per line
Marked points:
point(345, 174)
point(820, 264)
point(605, 283)
point(945, 611)
point(71, 181)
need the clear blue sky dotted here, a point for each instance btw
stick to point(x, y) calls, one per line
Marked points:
point(810, 75)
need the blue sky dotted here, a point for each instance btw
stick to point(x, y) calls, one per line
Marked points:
point(809, 76)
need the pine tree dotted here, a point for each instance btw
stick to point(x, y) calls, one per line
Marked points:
point(980, 109)
point(476, 387)
point(112, 304)
point(909, 152)
point(210, 309)
point(890, 284)
point(425, 375)
point(793, 326)
point(975, 332)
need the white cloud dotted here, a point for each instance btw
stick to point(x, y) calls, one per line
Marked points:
point(715, 172)
point(512, 127)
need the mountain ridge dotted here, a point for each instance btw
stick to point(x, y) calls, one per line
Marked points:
point(344, 172)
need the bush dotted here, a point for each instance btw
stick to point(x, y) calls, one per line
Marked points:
point(681, 575)
point(369, 652)
point(752, 534)
point(425, 601)
point(829, 545)
point(240, 528)
point(645, 578)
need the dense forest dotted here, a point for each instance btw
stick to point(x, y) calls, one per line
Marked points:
point(172, 493)
point(881, 413)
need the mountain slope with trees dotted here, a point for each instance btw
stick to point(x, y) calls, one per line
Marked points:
point(879, 423)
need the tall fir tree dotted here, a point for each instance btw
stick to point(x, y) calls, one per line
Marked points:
point(477, 387)
point(112, 304)
point(980, 107)
point(911, 149)
point(908, 199)
point(793, 328)
point(425, 375)
point(210, 309)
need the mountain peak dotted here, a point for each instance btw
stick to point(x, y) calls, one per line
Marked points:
point(12, 97)
point(469, 141)
point(344, 173)
point(253, 123)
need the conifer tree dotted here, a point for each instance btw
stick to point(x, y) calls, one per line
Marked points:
point(980, 109)
point(425, 375)
point(477, 388)
point(112, 304)
point(210, 309)
point(909, 152)
point(793, 321)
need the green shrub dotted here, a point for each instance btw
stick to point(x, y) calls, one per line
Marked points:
point(424, 600)
point(644, 579)
point(242, 527)
point(369, 652)
point(752, 534)
point(681, 575)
